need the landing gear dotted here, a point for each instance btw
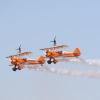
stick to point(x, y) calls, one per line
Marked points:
point(19, 68)
point(14, 68)
point(54, 62)
point(49, 61)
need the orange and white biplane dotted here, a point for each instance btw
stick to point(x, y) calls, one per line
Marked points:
point(19, 62)
point(52, 53)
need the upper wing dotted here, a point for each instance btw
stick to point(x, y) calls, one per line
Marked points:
point(24, 53)
point(20, 54)
point(55, 47)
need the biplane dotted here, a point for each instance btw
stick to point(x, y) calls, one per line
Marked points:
point(18, 62)
point(53, 52)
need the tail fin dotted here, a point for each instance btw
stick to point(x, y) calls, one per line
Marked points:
point(77, 52)
point(41, 59)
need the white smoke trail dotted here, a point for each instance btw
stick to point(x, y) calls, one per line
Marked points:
point(67, 72)
point(91, 62)
point(35, 67)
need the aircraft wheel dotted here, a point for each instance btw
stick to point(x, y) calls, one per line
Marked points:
point(49, 61)
point(54, 62)
point(14, 69)
point(19, 68)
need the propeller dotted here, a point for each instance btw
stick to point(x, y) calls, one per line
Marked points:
point(54, 41)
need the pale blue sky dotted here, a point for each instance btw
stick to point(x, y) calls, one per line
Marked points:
point(33, 23)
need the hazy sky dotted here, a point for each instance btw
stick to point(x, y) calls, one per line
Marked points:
point(33, 23)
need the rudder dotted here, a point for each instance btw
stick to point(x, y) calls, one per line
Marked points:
point(77, 52)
